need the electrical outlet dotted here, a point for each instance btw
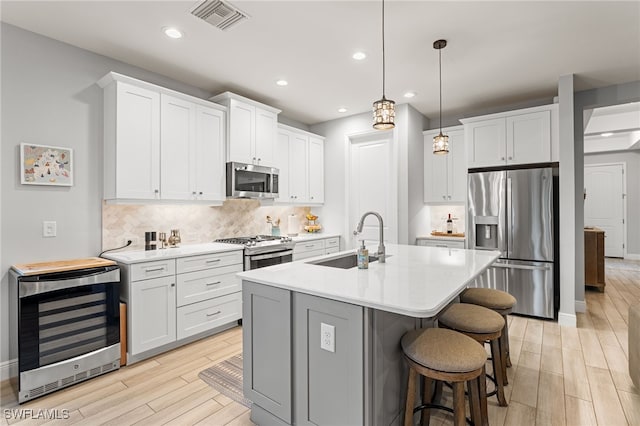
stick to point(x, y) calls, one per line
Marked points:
point(49, 229)
point(134, 240)
point(327, 337)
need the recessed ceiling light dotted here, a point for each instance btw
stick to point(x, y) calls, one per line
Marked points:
point(342, 109)
point(606, 135)
point(172, 32)
point(409, 94)
point(282, 82)
point(358, 56)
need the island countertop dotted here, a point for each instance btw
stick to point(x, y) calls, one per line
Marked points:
point(416, 281)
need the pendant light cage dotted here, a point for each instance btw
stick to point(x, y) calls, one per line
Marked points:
point(384, 111)
point(441, 141)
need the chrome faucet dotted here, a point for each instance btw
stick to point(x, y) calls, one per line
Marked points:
point(381, 249)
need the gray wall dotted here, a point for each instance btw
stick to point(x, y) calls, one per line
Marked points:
point(49, 97)
point(419, 221)
point(632, 158)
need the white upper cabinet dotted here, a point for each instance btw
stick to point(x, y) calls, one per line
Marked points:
point(252, 130)
point(160, 144)
point(316, 170)
point(512, 138)
point(132, 147)
point(177, 140)
point(445, 176)
point(209, 170)
point(300, 159)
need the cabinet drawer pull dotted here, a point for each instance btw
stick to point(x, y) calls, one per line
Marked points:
point(309, 246)
point(212, 261)
point(214, 314)
point(441, 245)
point(154, 269)
point(214, 283)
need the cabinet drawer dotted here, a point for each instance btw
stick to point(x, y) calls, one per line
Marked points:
point(307, 254)
point(305, 246)
point(205, 261)
point(331, 250)
point(202, 285)
point(202, 316)
point(441, 243)
point(332, 242)
point(146, 270)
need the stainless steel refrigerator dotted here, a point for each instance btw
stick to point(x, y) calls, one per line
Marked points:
point(515, 212)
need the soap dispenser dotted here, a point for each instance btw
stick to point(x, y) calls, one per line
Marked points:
point(363, 257)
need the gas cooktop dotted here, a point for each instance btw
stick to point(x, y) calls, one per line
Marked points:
point(260, 243)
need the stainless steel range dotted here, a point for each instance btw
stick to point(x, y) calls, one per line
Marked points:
point(263, 250)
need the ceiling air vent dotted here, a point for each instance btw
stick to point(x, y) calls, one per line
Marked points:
point(218, 13)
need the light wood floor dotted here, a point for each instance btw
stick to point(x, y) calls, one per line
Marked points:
point(560, 375)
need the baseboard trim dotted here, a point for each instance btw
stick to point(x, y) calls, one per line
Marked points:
point(581, 306)
point(568, 320)
point(8, 369)
point(632, 256)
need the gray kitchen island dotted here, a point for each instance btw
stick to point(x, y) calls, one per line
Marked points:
point(321, 340)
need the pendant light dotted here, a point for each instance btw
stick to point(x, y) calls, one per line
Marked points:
point(384, 112)
point(440, 142)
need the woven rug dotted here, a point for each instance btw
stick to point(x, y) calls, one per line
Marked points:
point(226, 378)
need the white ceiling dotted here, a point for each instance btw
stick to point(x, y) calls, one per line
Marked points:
point(499, 53)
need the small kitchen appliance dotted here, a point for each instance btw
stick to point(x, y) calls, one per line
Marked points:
point(64, 323)
point(251, 181)
point(263, 250)
point(515, 211)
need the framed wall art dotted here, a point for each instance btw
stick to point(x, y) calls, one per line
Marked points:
point(46, 165)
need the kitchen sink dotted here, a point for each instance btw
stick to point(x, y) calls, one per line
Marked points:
point(346, 261)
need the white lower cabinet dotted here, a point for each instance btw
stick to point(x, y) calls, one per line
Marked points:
point(176, 298)
point(153, 307)
point(202, 316)
point(313, 248)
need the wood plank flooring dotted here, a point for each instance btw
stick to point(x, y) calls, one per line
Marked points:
point(560, 376)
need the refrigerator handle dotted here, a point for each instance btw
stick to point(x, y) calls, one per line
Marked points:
point(516, 266)
point(509, 224)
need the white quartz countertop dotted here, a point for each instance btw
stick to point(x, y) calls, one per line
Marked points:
point(415, 281)
point(137, 256)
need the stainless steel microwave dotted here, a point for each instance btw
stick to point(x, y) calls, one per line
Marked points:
point(251, 181)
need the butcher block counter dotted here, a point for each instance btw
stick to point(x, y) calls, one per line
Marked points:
point(25, 269)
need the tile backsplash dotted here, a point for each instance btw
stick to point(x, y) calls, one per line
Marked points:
point(197, 224)
point(439, 216)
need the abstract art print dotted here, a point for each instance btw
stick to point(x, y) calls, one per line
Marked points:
point(46, 165)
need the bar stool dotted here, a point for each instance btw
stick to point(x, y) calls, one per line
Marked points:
point(481, 324)
point(499, 301)
point(445, 355)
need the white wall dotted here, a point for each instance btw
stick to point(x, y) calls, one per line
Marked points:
point(632, 159)
point(49, 96)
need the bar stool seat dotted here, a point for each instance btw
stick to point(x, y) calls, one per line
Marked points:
point(496, 300)
point(481, 324)
point(445, 355)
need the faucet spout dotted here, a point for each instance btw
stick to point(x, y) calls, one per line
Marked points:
point(381, 248)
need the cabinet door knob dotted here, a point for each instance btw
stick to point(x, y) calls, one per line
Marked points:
point(173, 284)
point(311, 197)
point(449, 197)
point(193, 193)
point(259, 159)
point(444, 197)
point(156, 191)
point(502, 158)
point(510, 158)
point(200, 192)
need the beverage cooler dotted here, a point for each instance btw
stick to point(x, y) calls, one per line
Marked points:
point(65, 323)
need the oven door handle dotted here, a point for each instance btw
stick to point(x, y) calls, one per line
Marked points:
point(271, 255)
point(31, 288)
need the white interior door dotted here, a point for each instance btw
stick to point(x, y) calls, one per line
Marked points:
point(604, 204)
point(372, 187)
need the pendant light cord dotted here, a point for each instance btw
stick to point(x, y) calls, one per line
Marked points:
point(383, 62)
point(440, 77)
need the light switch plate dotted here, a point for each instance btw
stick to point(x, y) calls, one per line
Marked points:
point(327, 337)
point(49, 229)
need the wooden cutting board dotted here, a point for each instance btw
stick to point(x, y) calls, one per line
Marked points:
point(61, 265)
point(444, 234)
